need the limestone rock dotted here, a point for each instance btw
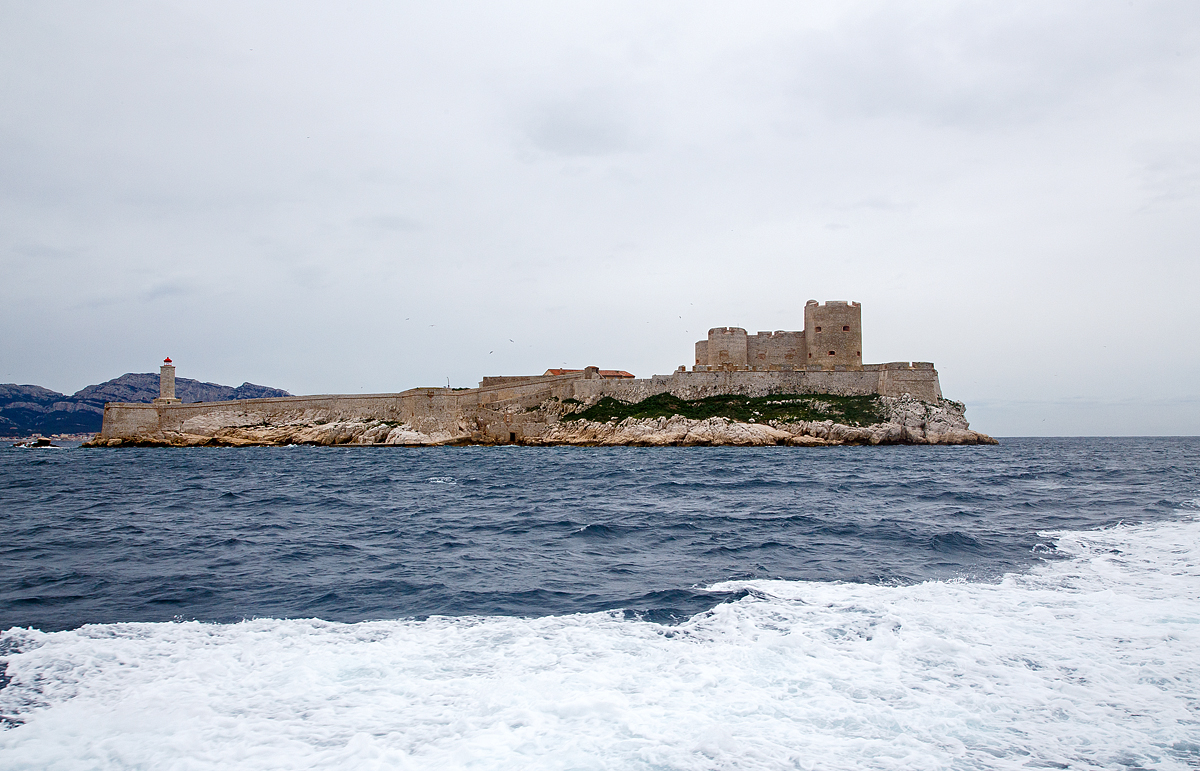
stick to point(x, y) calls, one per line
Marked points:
point(908, 421)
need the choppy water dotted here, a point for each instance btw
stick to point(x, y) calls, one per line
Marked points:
point(1032, 605)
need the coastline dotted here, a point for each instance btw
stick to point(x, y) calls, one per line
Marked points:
point(906, 420)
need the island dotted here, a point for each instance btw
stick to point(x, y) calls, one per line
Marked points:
point(806, 388)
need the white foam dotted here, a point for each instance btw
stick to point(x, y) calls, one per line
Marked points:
point(1090, 662)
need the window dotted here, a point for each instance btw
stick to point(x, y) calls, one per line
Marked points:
point(810, 356)
point(818, 329)
point(831, 353)
point(845, 329)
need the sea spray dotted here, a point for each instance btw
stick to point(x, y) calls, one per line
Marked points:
point(1087, 662)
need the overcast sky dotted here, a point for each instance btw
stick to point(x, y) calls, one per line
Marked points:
point(370, 197)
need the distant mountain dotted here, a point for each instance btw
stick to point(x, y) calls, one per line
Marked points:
point(143, 387)
point(30, 409)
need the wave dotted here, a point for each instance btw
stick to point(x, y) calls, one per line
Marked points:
point(1091, 660)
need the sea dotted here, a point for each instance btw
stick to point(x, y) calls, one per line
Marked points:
point(1032, 605)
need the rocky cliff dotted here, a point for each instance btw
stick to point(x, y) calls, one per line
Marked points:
point(883, 420)
point(905, 420)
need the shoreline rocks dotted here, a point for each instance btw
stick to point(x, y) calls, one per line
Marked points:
point(909, 421)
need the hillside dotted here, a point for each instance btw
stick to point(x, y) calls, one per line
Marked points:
point(30, 409)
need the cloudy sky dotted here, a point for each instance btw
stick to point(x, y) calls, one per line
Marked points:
point(367, 199)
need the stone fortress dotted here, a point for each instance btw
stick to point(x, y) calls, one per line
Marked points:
point(824, 358)
point(831, 340)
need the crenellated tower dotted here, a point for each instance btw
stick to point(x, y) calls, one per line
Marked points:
point(833, 334)
point(831, 340)
point(726, 347)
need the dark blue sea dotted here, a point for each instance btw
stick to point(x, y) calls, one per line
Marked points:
point(1030, 605)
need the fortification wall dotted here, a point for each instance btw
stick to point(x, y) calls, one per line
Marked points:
point(893, 379)
point(128, 420)
point(489, 411)
point(919, 379)
point(503, 412)
point(122, 421)
point(776, 349)
point(502, 380)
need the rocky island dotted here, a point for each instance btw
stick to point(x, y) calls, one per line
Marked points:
point(806, 388)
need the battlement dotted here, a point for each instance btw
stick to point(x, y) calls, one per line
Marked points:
point(831, 340)
point(832, 304)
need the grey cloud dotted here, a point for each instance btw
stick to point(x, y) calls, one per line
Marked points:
point(987, 65)
point(389, 222)
point(1170, 173)
point(975, 172)
point(589, 123)
point(165, 290)
point(44, 252)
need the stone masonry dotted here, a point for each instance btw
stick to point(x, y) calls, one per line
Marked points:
point(513, 409)
point(166, 384)
point(831, 340)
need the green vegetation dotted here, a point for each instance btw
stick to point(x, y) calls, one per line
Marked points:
point(848, 410)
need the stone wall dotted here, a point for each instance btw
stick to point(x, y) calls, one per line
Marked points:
point(895, 379)
point(506, 380)
point(123, 421)
point(776, 350)
point(499, 413)
point(488, 412)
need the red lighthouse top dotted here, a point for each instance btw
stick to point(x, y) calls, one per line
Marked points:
point(167, 360)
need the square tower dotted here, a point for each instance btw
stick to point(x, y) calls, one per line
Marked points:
point(833, 334)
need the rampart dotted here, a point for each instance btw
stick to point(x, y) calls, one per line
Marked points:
point(824, 358)
point(504, 412)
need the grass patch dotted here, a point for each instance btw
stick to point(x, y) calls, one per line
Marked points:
point(848, 410)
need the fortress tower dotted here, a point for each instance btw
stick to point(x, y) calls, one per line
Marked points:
point(725, 348)
point(833, 334)
point(831, 339)
point(166, 383)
